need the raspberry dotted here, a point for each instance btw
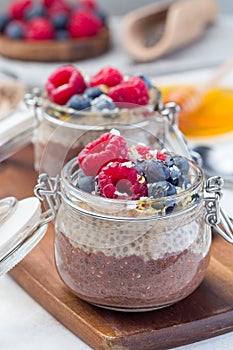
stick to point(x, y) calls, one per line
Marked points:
point(101, 151)
point(84, 23)
point(17, 8)
point(161, 156)
point(48, 3)
point(39, 29)
point(108, 76)
point(122, 181)
point(63, 83)
point(59, 7)
point(132, 92)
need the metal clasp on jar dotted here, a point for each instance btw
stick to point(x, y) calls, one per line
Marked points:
point(216, 217)
point(47, 191)
point(174, 137)
point(33, 101)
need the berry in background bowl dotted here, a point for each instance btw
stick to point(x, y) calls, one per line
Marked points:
point(53, 31)
point(77, 108)
point(130, 231)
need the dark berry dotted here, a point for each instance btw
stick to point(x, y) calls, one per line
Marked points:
point(93, 92)
point(86, 183)
point(62, 34)
point(79, 102)
point(60, 20)
point(37, 10)
point(122, 181)
point(4, 20)
point(15, 30)
point(154, 170)
point(179, 161)
point(161, 189)
point(103, 102)
point(174, 176)
point(170, 205)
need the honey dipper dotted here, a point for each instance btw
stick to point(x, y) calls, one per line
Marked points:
point(189, 98)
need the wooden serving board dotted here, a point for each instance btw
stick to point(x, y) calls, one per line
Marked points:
point(206, 313)
point(69, 50)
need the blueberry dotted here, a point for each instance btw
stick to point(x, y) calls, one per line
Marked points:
point(37, 10)
point(169, 161)
point(60, 20)
point(93, 92)
point(62, 34)
point(79, 102)
point(161, 189)
point(86, 183)
point(103, 102)
point(154, 170)
point(170, 207)
point(179, 161)
point(15, 30)
point(174, 176)
point(4, 20)
point(146, 80)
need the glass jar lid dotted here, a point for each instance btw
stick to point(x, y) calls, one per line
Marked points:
point(21, 228)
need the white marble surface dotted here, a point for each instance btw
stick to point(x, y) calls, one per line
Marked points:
point(24, 324)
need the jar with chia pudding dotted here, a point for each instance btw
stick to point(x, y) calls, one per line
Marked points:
point(75, 109)
point(132, 224)
point(133, 228)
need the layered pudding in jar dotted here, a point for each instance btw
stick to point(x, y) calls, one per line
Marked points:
point(130, 231)
point(77, 108)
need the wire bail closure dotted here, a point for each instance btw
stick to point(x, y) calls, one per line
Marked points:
point(216, 217)
point(47, 189)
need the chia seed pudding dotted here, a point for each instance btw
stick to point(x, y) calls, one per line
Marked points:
point(131, 254)
point(66, 126)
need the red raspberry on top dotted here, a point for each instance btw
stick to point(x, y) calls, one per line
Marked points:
point(84, 23)
point(101, 151)
point(131, 93)
point(17, 8)
point(122, 181)
point(63, 83)
point(39, 29)
point(108, 76)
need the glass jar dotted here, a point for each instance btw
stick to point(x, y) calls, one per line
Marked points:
point(131, 255)
point(119, 254)
point(62, 132)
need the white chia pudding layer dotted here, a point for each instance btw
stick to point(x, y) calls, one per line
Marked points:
point(149, 239)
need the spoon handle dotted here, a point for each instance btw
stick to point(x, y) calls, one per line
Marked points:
point(218, 75)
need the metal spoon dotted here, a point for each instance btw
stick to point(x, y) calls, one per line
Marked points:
point(217, 161)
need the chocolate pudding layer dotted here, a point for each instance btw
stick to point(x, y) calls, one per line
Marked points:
point(132, 264)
